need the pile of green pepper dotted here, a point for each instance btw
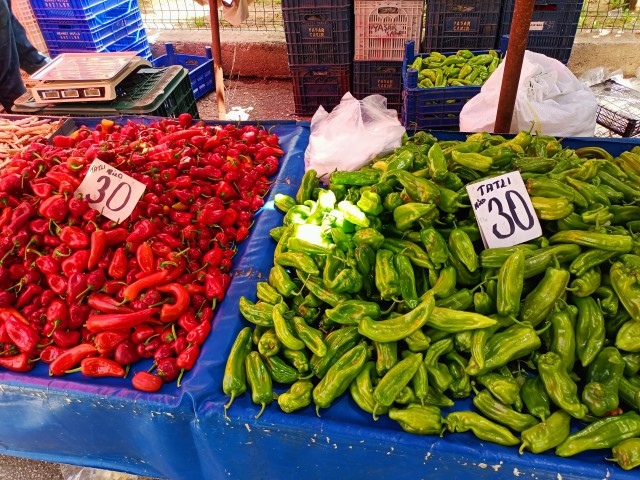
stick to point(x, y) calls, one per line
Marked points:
point(380, 287)
point(463, 68)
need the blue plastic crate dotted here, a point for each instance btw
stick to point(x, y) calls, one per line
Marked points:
point(552, 29)
point(431, 108)
point(200, 68)
point(378, 77)
point(81, 9)
point(65, 34)
point(134, 43)
point(461, 24)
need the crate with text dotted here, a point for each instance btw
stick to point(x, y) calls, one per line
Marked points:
point(315, 85)
point(382, 78)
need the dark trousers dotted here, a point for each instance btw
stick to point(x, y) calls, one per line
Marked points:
point(15, 52)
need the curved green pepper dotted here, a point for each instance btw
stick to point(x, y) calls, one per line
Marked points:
point(540, 301)
point(453, 321)
point(628, 337)
point(501, 413)
point(418, 419)
point(627, 453)
point(535, 398)
point(590, 329)
point(600, 394)
point(280, 371)
point(260, 313)
point(563, 334)
point(461, 247)
point(234, 379)
point(399, 327)
point(481, 427)
point(259, 381)
point(269, 343)
point(505, 389)
point(298, 396)
point(548, 434)
point(386, 277)
point(561, 388)
point(283, 329)
point(338, 342)
point(510, 284)
point(435, 246)
point(394, 381)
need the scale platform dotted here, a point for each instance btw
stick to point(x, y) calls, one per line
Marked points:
point(83, 77)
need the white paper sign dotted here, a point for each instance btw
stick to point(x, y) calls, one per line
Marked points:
point(113, 193)
point(536, 26)
point(504, 211)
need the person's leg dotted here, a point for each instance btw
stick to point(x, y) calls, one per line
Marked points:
point(30, 59)
point(11, 85)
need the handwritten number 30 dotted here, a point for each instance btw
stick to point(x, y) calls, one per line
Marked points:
point(513, 219)
point(102, 192)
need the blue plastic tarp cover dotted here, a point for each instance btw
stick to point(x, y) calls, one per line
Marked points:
point(182, 433)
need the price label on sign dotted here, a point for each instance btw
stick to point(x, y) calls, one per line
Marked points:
point(113, 193)
point(504, 211)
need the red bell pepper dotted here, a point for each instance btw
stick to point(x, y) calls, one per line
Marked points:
point(51, 352)
point(186, 359)
point(125, 353)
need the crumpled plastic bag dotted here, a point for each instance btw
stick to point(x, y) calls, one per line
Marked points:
point(233, 11)
point(354, 133)
point(549, 96)
point(72, 472)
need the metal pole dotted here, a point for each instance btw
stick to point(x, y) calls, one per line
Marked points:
point(218, 74)
point(518, 36)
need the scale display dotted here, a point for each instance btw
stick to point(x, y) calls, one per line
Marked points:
point(83, 77)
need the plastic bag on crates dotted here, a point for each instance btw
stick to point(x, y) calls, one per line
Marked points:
point(233, 11)
point(351, 135)
point(549, 96)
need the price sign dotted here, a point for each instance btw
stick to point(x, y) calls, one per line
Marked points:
point(504, 211)
point(113, 193)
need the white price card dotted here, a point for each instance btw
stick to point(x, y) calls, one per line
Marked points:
point(111, 192)
point(504, 211)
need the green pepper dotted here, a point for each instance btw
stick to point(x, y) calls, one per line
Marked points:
point(453, 321)
point(446, 284)
point(474, 161)
point(539, 260)
point(299, 260)
point(312, 338)
point(438, 373)
point(590, 259)
point(353, 213)
point(308, 184)
point(418, 419)
point(436, 163)
point(338, 342)
point(535, 398)
point(590, 329)
point(309, 239)
point(317, 288)
point(629, 393)
point(399, 327)
point(368, 236)
point(548, 434)
point(417, 341)
point(551, 208)
point(510, 284)
point(257, 313)
point(407, 280)
point(269, 343)
point(298, 359)
point(343, 241)
point(360, 178)
point(632, 363)
point(481, 427)
point(419, 189)
point(540, 301)
point(629, 192)
point(416, 254)
point(298, 396)
point(296, 215)
point(281, 281)
point(283, 202)
point(495, 257)
point(603, 433)
point(386, 356)
point(394, 381)
point(407, 214)
point(461, 247)
point(461, 385)
point(267, 293)
point(333, 265)
point(351, 311)
point(339, 376)
point(234, 380)
point(483, 303)
point(392, 201)
point(550, 188)
point(501, 413)
point(628, 337)
point(504, 388)
point(361, 389)
point(348, 280)
point(627, 453)
point(479, 339)
point(386, 277)
point(277, 232)
point(600, 394)
point(460, 300)
point(623, 280)
point(279, 370)
point(370, 203)
point(259, 381)
point(587, 283)
point(563, 334)
point(561, 388)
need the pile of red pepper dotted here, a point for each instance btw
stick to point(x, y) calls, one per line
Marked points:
point(80, 292)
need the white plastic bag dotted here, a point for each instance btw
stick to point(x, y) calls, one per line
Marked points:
point(549, 95)
point(351, 135)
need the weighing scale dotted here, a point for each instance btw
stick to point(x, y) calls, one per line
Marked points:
point(84, 77)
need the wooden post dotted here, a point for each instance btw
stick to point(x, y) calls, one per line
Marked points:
point(218, 74)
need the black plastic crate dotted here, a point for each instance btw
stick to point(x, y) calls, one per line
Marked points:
point(618, 108)
point(552, 29)
point(315, 85)
point(382, 78)
point(461, 24)
point(163, 92)
point(318, 35)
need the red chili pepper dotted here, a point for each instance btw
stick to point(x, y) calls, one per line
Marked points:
point(75, 263)
point(186, 359)
point(145, 257)
point(47, 264)
point(142, 333)
point(100, 367)
point(22, 335)
point(167, 369)
point(118, 266)
point(116, 235)
point(146, 382)
point(98, 245)
point(109, 340)
point(179, 344)
point(70, 358)
point(51, 208)
point(106, 304)
point(125, 353)
point(216, 286)
point(51, 352)
point(119, 321)
point(147, 349)
point(26, 295)
point(66, 339)
point(78, 206)
point(142, 230)
point(19, 218)
point(46, 297)
point(188, 321)
point(75, 237)
point(76, 287)
point(17, 363)
point(42, 190)
point(242, 233)
point(199, 334)
point(173, 311)
point(78, 315)
point(194, 289)
point(163, 351)
point(132, 291)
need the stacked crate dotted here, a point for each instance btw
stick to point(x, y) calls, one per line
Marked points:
point(319, 47)
point(92, 26)
point(24, 13)
point(381, 29)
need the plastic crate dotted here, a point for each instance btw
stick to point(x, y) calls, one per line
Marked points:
point(71, 34)
point(461, 24)
point(431, 108)
point(552, 29)
point(318, 34)
point(618, 108)
point(383, 27)
point(24, 13)
point(315, 85)
point(164, 92)
point(200, 68)
point(80, 9)
point(141, 47)
point(383, 78)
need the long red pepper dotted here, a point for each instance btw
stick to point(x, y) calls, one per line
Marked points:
point(101, 367)
point(119, 321)
point(106, 304)
point(71, 358)
point(132, 291)
point(17, 363)
point(23, 336)
point(173, 311)
point(98, 244)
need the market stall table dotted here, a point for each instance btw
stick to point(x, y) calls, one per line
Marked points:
point(183, 433)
